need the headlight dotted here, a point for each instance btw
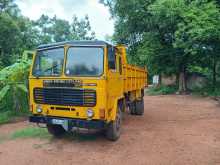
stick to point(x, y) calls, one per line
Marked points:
point(39, 109)
point(90, 113)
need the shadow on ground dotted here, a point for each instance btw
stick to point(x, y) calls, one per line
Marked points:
point(82, 135)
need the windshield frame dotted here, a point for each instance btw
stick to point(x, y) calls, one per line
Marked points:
point(35, 57)
point(103, 61)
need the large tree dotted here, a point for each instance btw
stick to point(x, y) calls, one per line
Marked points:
point(9, 37)
point(81, 29)
point(199, 36)
point(56, 29)
point(168, 36)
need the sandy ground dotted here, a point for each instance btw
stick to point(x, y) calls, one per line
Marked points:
point(180, 130)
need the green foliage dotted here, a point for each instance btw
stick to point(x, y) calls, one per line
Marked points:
point(9, 7)
point(10, 116)
point(4, 91)
point(19, 33)
point(81, 29)
point(5, 117)
point(13, 90)
point(162, 90)
point(170, 36)
point(9, 32)
point(56, 30)
point(31, 132)
point(61, 30)
point(200, 29)
point(206, 91)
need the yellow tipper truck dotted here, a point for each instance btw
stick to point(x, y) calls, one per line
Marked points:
point(85, 84)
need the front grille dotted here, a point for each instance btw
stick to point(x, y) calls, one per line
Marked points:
point(65, 96)
point(62, 83)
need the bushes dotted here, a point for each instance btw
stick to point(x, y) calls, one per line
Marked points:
point(165, 90)
point(207, 91)
point(9, 116)
point(31, 132)
point(13, 89)
point(162, 90)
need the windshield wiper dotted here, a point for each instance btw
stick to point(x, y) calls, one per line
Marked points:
point(50, 68)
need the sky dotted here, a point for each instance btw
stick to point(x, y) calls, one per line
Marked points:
point(99, 15)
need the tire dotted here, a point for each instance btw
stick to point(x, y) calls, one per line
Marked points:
point(113, 130)
point(55, 130)
point(133, 108)
point(139, 107)
point(123, 109)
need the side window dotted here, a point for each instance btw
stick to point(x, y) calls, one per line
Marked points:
point(30, 56)
point(111, 58)
point(120, 65)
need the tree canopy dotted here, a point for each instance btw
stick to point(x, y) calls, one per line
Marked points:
point(19, 33)
point(169, 36)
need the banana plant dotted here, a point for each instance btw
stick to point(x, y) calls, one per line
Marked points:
point(13, 81)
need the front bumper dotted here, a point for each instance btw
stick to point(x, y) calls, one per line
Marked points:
point(70, 123)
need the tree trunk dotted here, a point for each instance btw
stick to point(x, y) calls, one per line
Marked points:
point(182, 81)
point(177, 79)
point(160, 80)
point(158, 84)
point(214, 75)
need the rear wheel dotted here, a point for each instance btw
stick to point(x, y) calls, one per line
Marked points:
point(132, 107)
point(113, 130)
point(140, 107)
point(55, 130)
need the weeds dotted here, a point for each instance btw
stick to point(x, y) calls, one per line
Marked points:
point(207, 91)
point(31, 132)
point(8, 116)
point(162, 90)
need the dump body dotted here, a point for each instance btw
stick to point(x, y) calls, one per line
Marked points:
point(134, 78)
point(82, 84)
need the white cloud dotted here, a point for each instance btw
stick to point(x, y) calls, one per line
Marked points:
point(99, 15)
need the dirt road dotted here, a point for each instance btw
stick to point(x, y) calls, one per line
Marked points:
point(180, 130)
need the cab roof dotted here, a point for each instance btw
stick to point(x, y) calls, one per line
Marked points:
point(75, 43)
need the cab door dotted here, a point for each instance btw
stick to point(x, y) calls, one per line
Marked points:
point(114, 77)
point(120, 81)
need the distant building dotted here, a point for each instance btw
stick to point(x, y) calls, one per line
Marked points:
point(155, 79)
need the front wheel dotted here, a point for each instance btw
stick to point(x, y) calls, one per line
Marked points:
point(55, 130)
point(113, 130)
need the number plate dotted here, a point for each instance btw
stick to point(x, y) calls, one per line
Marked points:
point(62, 122)
point(58, 121)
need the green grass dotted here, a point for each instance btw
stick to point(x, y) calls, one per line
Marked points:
point(5, 117)
point(42, 133)
point(162, 90)
point(8, 116)
point(31, 132)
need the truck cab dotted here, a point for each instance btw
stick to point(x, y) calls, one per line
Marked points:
point(79, 84)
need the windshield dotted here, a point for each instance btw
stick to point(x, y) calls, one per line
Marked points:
point(48, 62)
point(84, 61)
